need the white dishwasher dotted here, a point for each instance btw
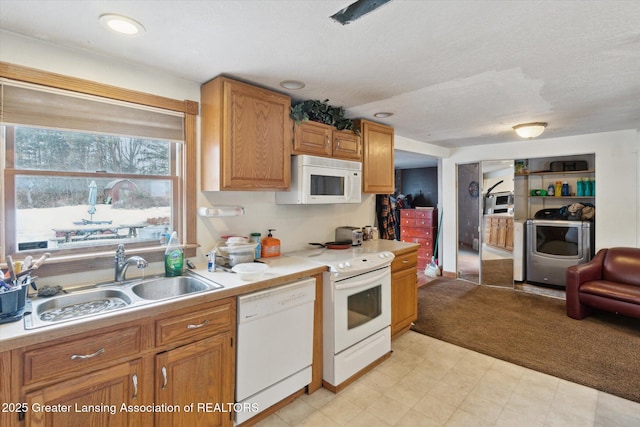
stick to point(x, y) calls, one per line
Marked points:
point(274, 346)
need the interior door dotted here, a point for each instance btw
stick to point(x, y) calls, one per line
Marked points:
point(496, 248)
point(469, 211)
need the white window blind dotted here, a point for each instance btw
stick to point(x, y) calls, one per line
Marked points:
point(34, 105)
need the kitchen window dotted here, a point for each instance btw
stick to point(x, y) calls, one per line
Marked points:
point(83, 173)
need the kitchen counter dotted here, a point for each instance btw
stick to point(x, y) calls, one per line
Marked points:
point(282, 270)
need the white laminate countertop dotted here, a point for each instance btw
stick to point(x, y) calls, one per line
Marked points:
point(283, 269)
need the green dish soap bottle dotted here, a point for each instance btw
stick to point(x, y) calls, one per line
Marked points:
point(173, 257)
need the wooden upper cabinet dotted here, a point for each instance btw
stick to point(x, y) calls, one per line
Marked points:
point(312, 138)
point(377, 159)
point(319, 139)
point(246, 137)
point(347, 145)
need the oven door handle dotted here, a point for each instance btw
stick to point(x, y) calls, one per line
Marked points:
point(364, 281)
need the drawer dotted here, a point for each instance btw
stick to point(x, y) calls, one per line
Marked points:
point(425, 222)
point(417, 222)
point(407, 213)
point(424, 242)
point(428, 214)
point(404, 261)
point(196, 324)
point(407, 221)
point(411, 232)
point(81, 355)
point(426, 253)
point(426, 233)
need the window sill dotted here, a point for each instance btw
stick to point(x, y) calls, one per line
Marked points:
point(70, 264)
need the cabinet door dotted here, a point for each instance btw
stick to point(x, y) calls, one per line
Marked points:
point(346, 145)
point(256, 150)
point(502, 233)
point(246, 137)
point(312, 138)
point(95, 399)
point(493, 237)
point(509, 237)
point(377, 158)
point(404, 299)
point(202, 372)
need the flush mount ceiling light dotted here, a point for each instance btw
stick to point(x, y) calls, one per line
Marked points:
point(292, 84)
point(357, 10)
point(121, 24)
point(383, 115)
point(530, 130)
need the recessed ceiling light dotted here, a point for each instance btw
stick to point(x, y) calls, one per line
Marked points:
point(383, 115)
point(292, 84)
point(121, 24)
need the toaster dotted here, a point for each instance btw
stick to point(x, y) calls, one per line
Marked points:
point(354, 234)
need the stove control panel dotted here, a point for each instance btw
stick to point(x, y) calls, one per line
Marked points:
point(364, 263)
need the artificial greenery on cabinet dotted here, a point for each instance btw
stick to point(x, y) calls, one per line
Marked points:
point(322, 112)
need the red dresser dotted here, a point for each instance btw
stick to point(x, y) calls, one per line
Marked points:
point(420, 226)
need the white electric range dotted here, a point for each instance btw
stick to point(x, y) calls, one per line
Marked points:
point(356, 309)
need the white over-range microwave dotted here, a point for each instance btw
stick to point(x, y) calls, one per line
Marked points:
point(321, 180)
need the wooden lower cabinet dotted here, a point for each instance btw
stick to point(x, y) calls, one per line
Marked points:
point(6, 417)
point(200, 374)
point(404, 292)
point(499, 231)
point(95, 399)
point(165, 362)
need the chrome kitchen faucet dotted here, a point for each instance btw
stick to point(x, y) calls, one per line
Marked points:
point(122, 263)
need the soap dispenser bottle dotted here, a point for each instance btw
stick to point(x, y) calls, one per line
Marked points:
point(173, 257)
point(270, 246)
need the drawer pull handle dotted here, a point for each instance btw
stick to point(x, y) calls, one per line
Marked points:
point(164, 377)
point(87, 356)
point(405, 261)
point(134, 379)
point(199, 325)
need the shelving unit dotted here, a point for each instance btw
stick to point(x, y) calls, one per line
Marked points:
point(541, 180)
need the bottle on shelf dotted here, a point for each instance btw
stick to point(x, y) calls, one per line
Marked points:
point(558, 189)
point(550, 189)
point(565, 189)
point(587, 187)
point(580, 188)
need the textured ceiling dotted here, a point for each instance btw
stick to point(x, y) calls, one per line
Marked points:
point(455, 73)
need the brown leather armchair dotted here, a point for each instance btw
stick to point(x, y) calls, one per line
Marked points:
point(609, 282)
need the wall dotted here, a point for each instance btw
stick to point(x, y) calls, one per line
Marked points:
point(420, 181)
point(617, 176)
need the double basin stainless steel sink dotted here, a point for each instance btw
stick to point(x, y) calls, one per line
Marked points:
point(103, 298)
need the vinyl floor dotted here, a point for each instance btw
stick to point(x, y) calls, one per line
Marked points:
point(427, 382)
